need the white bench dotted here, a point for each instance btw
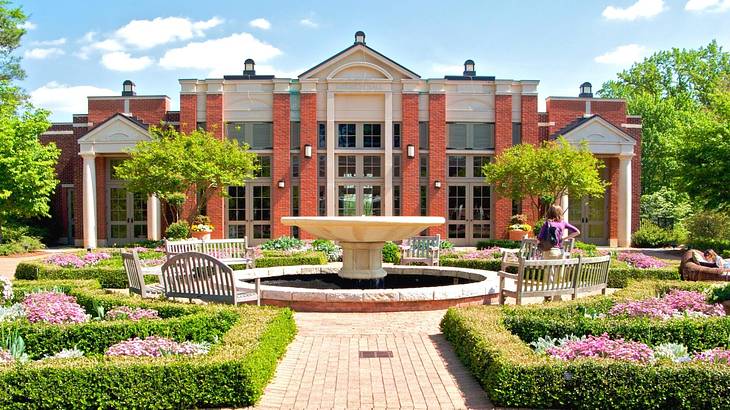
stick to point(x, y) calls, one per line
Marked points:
point(554, 277)
point(421, 249)
point(195, 275)
point(135, 277)
point(229, 251)
point(530, 249)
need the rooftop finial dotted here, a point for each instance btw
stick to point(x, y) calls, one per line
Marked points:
point(360, 37)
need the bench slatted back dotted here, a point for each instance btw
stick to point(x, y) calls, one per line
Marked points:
point(134, 273)
point(420, 247)
point(226, 248)
point(529, 249)
point(546, 275)
point(176, 247)
point(200, 276)
point(594, 272)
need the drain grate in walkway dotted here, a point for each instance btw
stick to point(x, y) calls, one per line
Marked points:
point(373, 354)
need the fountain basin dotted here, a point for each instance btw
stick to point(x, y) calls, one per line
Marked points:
point(362, 238)
point(475, 287)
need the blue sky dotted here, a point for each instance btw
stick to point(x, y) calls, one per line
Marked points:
point(79, 48)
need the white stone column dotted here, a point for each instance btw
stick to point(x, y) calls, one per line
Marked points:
point(331, 166)
point(624, 201)
point(564, 203)
point(89, 200)
point(154, 226)
point(387, 196)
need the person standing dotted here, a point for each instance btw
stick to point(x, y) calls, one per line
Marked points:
point(552, 231)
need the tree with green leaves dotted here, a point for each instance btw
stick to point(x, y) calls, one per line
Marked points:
point(11, 19)
point(27, 167)
point(174, 164)
point(669, 90)
point(543, 174)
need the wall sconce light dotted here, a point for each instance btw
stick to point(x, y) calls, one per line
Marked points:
point(437, 184)
point(307, 151)
point(281, 183)
point(411, 151)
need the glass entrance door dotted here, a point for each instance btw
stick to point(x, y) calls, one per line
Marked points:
point(249, 212)
point(590, 216)
point(127, 216)
point(359, 199)
point(468, 213)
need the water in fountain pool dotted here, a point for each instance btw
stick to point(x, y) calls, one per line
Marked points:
point(333, 281)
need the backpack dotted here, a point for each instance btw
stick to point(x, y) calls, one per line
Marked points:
point(550, 240)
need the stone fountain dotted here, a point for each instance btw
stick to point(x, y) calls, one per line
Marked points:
point(362, 238)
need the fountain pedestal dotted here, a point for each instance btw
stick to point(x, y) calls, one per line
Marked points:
point(362, 260)
point(362, 238)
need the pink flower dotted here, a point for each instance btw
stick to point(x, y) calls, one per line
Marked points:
point(6, 357)
point(675, 303)
point(717, 355)
point(602, 346)
point(72, 260)
point(53, 307)
point(155, 346)
point(126, 312)
point(641, 261)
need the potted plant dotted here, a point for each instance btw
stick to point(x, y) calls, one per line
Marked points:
point(518, 228)
point(201, 227)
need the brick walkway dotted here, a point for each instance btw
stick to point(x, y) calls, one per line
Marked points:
point(323, 369)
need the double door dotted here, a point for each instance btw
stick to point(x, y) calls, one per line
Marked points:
point(359, 199)
point(127, 216)
point(590, 216)
point(469, 213)
point(249, 212)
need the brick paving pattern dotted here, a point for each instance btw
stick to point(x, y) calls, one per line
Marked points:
point(323, 369)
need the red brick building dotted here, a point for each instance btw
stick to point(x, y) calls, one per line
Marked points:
point(357, 134)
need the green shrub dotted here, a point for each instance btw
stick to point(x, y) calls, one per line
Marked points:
point(619, 276)
point(665, 208)
point(329, 248)
point(718, 245)
point(708, 225)
point(482, 264)
point(233, 374)
point(538, 225)
point(653, 236)
point(391, 254)
point(719, 294)
point(500, 243)
point(447, 244)
point(178, 230)
point(513, 375)
point(283, 243)
point(22, 244)
point(587, 247)
point(273, 258)
point(108, 277)
point(726, 254)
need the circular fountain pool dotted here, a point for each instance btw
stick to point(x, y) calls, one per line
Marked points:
point(320, 289)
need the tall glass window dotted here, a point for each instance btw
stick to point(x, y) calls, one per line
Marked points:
point(295, 166)
point(295, 200)
point(478, 165)
point(423, 199)
point(371, 166)
point(322, 200)
point(264, 167)
point(516, 133)
point(457, 166)
point(346, 166)
point(294, 130)
point(471, 135)
point(261, 203)
point(423, 165)
point(371, 200)
point(322, 166)
point(322, 135)
point(371, 134)
point(346, 137)
point(423, 135)
point(396, 165)
point(396, 200)
point(258, 135)
point(346, 200)
point(396, 135)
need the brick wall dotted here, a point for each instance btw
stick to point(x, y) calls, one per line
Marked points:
point(150, 110)
point(437, 159)
point(612, 111)
point(100, 110)
point(280, 167)
point(410, 185)
point(308, 167)
point(216, 205)
point(502, 141)
point(66, 166)
point(188, 112)
point(530, 135)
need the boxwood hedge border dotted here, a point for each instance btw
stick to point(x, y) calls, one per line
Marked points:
point(514, 376)
point(233, 374)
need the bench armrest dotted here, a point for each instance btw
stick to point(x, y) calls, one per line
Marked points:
point(503, 274)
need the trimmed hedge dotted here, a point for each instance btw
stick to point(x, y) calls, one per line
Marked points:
point(233, 374)
point(515, 376)
point(113, 277)
point(483, 264)
point(499, 243)
point(718, 245)
point(619, 277)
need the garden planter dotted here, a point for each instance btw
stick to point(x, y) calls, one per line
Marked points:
point(517, 235)
point(201, 235)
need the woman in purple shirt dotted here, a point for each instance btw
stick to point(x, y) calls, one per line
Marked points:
point(555, 220)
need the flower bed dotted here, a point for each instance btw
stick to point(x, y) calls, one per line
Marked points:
point(641, 261)
point(592, 371)
point(156, 370)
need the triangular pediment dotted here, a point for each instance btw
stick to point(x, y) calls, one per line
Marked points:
point(601, 136)
point(359, 62)
point(115, 135)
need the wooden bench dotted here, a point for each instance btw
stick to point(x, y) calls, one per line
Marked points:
point(229, 251)
point(421, 249)
point(135, 277)
point(530, 249)
point(195, 275)
point(555, 277)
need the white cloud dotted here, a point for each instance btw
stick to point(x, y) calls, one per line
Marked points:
point(65, 99)
point(707, 5)
point(108, 45)
point(306, 22)
point(640, 9)
point(623, 55)
point(28, 25)
point(43, 53)
point(88, 37)
point(57, 42)
point(261, 23)
point(220, 56)
point(121, 61)
point(150, 33)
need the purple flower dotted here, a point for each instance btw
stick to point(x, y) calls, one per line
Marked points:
point(675, 303)
point(155, 346)
point(72, 260)
point(641, 261)
point(126, 312)
point(6, 357)
point(53, 307)
point(717, 355)
point(602, 346)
